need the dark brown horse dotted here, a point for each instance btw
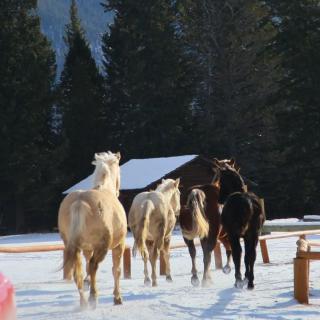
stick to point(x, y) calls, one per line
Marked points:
point(243, 216)
point(201, 216)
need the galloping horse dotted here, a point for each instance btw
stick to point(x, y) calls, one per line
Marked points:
point(94, 221)
point(242, 216)
point(151, 219)
point(100, 182)
point(201, 217)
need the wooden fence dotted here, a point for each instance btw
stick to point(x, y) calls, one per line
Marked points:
point(127, 254)
point(301, 268)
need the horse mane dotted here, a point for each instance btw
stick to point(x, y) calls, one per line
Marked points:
point(100, 175)
point(165, 185)
point(240, 180)
point(102, 171)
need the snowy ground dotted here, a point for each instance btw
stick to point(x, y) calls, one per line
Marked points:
point(41, 294)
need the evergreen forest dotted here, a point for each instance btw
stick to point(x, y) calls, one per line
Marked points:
point(156, 78)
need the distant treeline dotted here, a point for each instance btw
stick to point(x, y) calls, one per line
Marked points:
point(237, 78)
point(54, 16)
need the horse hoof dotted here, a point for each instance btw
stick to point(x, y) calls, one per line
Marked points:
point(250, 286)
point(195, 281)
point(117, 301)
point(83, 305)
point(147, 282)
point(168, 278)
point(86, 284)
point(226, 269)
point(206, 283)
point(93, 302)
point(154, 283)
point(239, 284)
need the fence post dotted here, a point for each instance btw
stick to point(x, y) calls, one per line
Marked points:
point(127, 263)
point(264, 251)
point(162, 264)
point(217, 256)
point(301, 279)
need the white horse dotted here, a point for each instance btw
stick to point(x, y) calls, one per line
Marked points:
point(151, 219)
point(94, 221)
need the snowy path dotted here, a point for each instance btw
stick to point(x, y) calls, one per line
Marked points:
point(41, 294)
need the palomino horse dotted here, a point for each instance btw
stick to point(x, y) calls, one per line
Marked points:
point(201, 217)
point(151, 219)
point(94, 221)
point(242, 216)
point(100, 182)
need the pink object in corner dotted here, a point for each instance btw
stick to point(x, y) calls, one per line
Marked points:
point(7, 302)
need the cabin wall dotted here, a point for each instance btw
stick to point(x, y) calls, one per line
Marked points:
point(195, 172)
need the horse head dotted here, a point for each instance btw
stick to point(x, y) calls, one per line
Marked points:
point(107, 172)
point(227, 177)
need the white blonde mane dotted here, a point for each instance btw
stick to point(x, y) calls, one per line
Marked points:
point(106, 175)
point(166, 185)
point(171, 187)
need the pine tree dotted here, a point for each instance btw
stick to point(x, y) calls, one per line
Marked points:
point(297, 102)
point(229, 40)
point(148, 79)
point(80, 103)
point(27, 72)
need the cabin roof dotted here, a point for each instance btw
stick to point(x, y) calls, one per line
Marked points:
point(139, 173)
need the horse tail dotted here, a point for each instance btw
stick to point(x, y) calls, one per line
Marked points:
point(247, 214)
point(200, 227)
point(78, 212)
point(142, 229)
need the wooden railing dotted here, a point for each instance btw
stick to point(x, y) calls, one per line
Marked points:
point(127, 253)
point(263, 240)
point(58, 247)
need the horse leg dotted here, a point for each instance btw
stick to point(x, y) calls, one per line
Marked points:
point(117, 254)
point(192, 251)
point(87, 254)
point(97, 257)
point(236, 255)
point(225, 241)
point(166, 256)
point(158, 244)
point(207, 251)
point(147, 256)
point(250, 258)
point(67, 274)
point(78, 278)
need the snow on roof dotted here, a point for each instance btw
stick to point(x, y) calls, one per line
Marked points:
point(138, 173)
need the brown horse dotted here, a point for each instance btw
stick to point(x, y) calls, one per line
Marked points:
point(201, 217)
point(94, 221)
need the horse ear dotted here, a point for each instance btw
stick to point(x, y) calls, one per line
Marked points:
point(176, 183)
point(94, 162)
point(118, 155)
point(162, 180)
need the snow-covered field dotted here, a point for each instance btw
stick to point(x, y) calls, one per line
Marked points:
point(41, 294)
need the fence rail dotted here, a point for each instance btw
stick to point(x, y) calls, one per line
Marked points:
point(127, 254)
